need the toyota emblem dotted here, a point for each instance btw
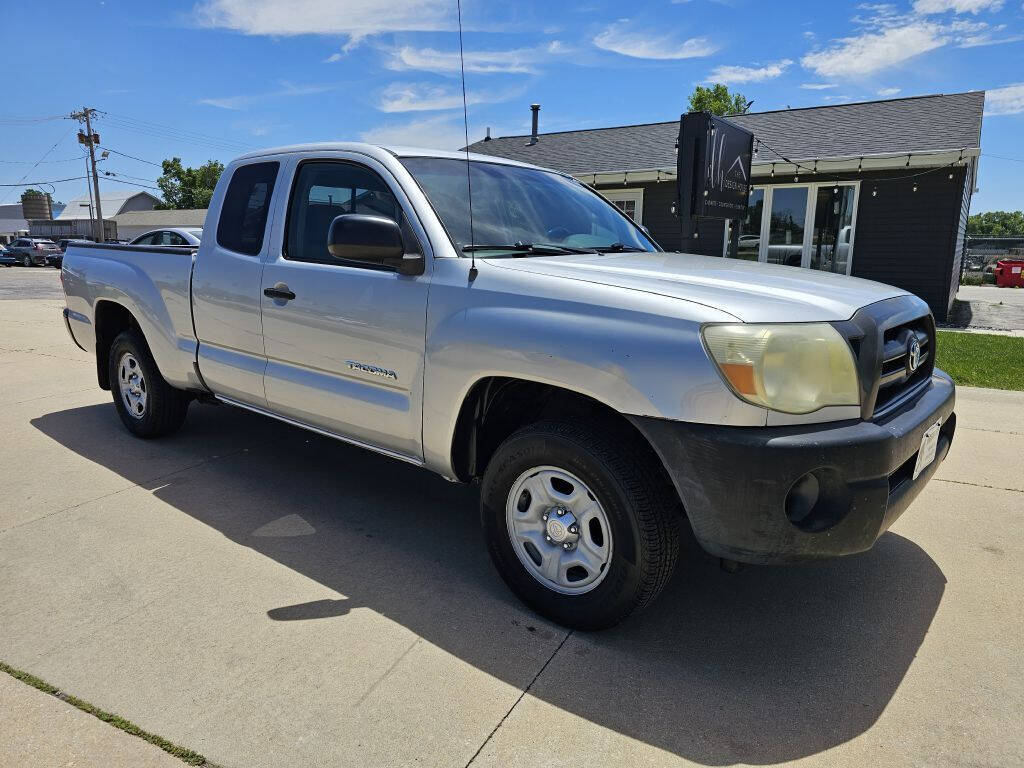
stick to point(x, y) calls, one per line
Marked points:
point(913, 355)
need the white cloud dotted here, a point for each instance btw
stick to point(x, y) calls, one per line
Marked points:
point(957, 6)
point(1008, 100)
point(623, 38)
point(422, 97)
point(874, 51)
point(354, 18)
point(817, 86)
point(733, 74)
point(886, 92)
point(439, 132)
point(243, 101)
point(972, 34)
point(332, 58)
point(518, 60)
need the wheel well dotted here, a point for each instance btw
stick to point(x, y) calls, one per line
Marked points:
point(110, 319)
point(497, 406)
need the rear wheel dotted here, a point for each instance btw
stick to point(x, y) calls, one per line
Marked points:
point(147, 404)
point(581, 528)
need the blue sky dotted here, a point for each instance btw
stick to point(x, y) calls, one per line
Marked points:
point(214, 78)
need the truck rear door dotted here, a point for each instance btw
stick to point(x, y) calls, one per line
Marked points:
point(344, 340)
point(226, 284)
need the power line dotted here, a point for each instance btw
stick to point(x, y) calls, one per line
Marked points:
point(175, 134)
point(132, 157)
point(132, 183)
point(13, 120)
point(43, 162)
point(21, 181)
point(37, 183)
point(1001, 157)
point(128, 176)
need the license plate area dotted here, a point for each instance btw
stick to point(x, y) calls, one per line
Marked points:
point(926, 453)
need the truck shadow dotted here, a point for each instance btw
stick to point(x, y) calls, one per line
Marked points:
point(759, 667)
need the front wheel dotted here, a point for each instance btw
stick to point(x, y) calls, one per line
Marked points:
point(26, 261)
point(147, 404)
point(580, 527)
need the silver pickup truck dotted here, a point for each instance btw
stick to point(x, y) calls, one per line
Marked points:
point(603, 392)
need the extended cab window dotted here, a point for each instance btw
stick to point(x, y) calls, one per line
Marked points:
point(325, 190)
point(243, 216)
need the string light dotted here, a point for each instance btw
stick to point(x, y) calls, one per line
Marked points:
point(908, 161)
point(915, 186)
point(860, 165)
point(773, 170)
point(796, 178)
point(815, 171)
point(874, 192)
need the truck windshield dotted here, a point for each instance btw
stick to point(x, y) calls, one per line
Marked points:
point(523, 211)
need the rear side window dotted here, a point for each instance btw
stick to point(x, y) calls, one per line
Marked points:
point(243, 216)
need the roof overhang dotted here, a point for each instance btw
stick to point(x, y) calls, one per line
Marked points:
point(761, 169)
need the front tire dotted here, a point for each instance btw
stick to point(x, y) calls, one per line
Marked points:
point(581, 528)
point(148, 406)
point(26, 261)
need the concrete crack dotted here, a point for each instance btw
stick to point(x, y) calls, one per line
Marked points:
point(526, 690)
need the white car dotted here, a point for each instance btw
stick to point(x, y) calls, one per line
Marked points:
point(179, 237)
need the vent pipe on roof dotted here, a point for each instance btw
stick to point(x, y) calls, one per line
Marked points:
point(487, 136)
point(535, 108)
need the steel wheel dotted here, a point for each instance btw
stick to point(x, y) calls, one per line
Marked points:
point(132, 385)
point(26, 261)
point(559, 530)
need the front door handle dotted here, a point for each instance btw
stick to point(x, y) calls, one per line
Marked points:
point(279, 291)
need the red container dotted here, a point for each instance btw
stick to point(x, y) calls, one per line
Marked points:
point(1010, 273)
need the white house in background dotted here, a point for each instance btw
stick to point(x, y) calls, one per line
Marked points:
point(114, 202)
point(134, 223)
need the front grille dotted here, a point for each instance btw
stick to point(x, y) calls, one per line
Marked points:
point(882, 337)
point(896, 379)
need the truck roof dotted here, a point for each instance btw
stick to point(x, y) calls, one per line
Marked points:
point(376, 150)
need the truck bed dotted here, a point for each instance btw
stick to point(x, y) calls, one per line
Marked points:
point(152, 282)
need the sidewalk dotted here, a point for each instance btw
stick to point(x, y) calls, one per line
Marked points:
point(40, 731)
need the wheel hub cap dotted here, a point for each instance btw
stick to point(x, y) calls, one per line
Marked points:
point(559, 530)
point(132, 385)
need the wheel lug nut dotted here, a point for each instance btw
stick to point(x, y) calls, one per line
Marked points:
point(544, 518)
point(547, 538)
point(573, 529)
point(567, 545)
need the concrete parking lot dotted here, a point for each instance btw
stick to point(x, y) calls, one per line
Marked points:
point(269, 597)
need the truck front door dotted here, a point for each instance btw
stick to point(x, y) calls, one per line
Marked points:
point(344, 340)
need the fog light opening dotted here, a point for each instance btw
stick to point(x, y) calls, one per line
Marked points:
point(802, 498)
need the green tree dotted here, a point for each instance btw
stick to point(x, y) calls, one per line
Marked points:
point(184, 187)
point(997, 224)
point(718, 101)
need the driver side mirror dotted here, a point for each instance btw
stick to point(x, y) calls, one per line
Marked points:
point(373, 240)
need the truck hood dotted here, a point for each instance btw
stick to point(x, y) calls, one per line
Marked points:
point(748, 290)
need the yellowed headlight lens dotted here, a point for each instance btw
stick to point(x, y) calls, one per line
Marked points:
point(788, 367)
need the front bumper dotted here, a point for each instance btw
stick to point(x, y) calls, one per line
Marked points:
point(734, 481)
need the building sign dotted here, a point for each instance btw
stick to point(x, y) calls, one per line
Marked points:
point(713, 167)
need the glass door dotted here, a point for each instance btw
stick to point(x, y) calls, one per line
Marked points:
point(786, 226)
point(832, 237)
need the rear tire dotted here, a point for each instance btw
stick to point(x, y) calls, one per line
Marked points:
point(148, 406)
point(622, 523)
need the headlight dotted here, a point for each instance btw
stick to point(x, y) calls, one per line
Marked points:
point(788, 367)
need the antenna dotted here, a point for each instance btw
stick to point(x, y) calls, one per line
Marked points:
point(465, 125)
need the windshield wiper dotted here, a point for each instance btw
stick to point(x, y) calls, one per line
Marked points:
point(618, 248)
point(538, 249)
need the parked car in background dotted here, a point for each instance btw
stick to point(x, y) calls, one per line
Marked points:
point(57, 259)
point(33, 251)
point(175, 237)
point(6, 259)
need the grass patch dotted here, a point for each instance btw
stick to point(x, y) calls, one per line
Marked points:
point(187, 755)
point(982, 359)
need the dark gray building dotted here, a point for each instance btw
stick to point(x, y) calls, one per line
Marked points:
point(877, 189)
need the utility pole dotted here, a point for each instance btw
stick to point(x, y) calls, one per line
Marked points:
point(90, 140)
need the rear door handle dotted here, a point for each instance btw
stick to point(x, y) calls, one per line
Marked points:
point(279, 292)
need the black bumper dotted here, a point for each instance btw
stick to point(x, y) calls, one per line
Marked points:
point(734, 481)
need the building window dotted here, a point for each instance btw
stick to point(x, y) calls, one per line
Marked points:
point(806, 225)
point(629, 201)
